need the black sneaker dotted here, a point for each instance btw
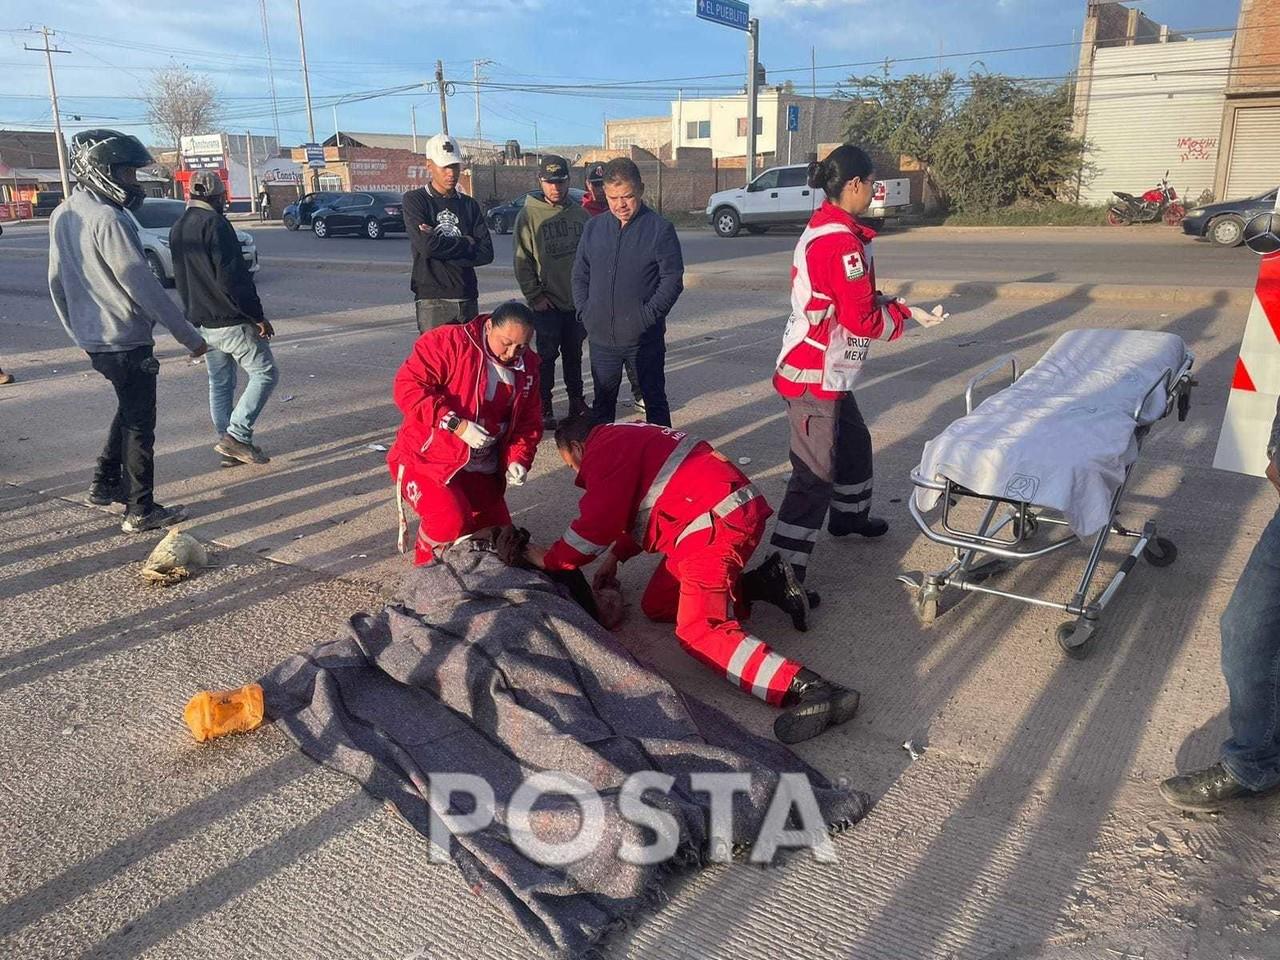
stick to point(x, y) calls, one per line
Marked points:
point(156, 518)
point(579, 407)
point(811, 706)
point(842, 524)
point(105, 494)
point(548, 418)
point(235, 449)
point(774, 581)
point(1207, 790)
point(639, 402)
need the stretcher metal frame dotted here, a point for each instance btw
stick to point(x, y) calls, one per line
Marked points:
point(982, 552)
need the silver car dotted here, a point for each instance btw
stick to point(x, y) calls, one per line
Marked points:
point(155, 217)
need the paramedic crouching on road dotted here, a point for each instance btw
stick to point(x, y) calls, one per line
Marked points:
point(836, 312)
point(1249, 764)
point(654, 489)
point(472, 422)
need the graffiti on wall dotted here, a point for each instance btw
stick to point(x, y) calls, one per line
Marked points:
point(1197, 148)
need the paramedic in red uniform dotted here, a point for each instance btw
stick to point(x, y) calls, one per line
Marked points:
point(472, 422)
point(836, 312)
point(651, 488)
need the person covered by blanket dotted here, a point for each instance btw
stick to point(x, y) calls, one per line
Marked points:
point(472, 422)
point(836, 311)
point(649, 488)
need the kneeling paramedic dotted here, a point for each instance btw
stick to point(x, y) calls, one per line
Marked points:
point(651, 488)
point(472, 422)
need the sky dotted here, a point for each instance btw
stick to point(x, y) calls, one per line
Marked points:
point(654, 49)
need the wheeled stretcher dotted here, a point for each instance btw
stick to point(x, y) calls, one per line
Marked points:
point(1052, 451)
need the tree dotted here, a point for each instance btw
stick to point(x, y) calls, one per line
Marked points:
point(903, 115)
point(1007, 143)
point(181, 104)
point(1000, 143)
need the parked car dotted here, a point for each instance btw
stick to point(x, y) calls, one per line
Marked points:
point(1223, 223)
point(45, 202)
point(502, 218)
point(154, 219)
point(372, 214)
point(781, 196)
point(298, 214)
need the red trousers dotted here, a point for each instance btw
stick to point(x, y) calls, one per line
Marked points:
point(696, 587)
point(467, 503)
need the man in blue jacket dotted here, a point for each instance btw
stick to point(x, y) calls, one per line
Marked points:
point(628, 275)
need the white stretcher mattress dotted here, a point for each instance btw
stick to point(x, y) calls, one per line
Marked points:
point(1062, 436)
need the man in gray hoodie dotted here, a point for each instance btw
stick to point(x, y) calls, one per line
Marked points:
point(109, 302)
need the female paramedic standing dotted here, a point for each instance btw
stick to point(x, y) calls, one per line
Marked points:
point(836, 312)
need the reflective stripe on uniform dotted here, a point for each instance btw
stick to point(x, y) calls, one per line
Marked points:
point(794, 531)
point(851, 489)
point(814, 343)
point(765, 673)
point(677, 456)
point(796, 375)
point(402, 521)
point(582, 544)
point(738, 662)
point(739, 498)
point(862, 506)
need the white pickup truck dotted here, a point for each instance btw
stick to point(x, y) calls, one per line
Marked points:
point(782, 196)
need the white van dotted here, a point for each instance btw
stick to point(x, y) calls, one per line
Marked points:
point(782, 195)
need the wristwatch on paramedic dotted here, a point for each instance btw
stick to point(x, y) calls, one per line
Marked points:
point(452, 422)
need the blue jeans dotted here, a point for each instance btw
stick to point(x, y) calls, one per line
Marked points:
point(1251, 665)
point(229, 348)
point(649, 357)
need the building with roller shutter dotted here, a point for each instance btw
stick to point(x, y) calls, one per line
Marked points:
point(1150, 100)
point(1249, 158)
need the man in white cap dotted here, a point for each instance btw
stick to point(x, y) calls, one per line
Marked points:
point(449, 239)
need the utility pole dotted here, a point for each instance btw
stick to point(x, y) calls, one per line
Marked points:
point(306, 89)
point(813, 121)
point(753, 65)
point(413, 124)
point(444, 109)
point(253, 191)
point(477, 65)
point(59, 141)
point(271, 69)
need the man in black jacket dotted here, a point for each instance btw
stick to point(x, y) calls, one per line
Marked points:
point(627, 276)
point(220, 298)
point(449, 238)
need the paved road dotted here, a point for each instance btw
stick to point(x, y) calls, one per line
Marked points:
point(1029, 828)
point(1135, 255)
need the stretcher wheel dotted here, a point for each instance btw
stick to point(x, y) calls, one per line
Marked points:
point(927, 608)
point(1160, 552)
point(1076, 638)
point(1027, 531)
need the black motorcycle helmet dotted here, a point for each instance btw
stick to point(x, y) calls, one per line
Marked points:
point(95, 156)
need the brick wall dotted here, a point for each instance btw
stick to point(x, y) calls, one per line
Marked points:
point(1255, 67)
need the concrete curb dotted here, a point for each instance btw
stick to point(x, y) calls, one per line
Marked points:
point(1195, 297)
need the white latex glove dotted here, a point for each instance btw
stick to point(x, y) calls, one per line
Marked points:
point(928, 318)
point(516, 474)
point(475, 436)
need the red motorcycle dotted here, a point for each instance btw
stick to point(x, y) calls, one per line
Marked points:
point(1158, 203)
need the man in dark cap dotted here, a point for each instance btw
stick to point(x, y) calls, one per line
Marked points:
point(547, 231)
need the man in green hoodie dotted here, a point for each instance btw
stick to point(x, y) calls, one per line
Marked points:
point(547, 231)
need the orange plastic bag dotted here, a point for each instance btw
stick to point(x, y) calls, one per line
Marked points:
point(215, 713)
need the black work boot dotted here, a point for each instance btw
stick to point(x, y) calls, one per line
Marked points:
point(548, 417)
point(578, 407)
point(811, 705)
point(105, 494)
point(774, 581)
point(843, 524)
point(1207, 790)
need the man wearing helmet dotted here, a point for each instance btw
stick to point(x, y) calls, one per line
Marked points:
point(220, 298)
point(109, 302)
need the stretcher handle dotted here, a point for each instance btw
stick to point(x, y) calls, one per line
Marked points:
point(1167, 381)
point(996, 365)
